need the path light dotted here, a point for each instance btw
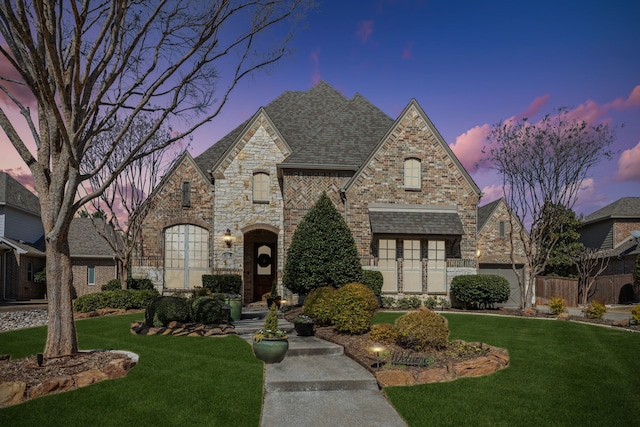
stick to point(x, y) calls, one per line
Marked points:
point(377, 349)
point(227, 238)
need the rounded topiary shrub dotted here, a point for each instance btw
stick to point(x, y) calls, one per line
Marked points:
point(207, 310)
point(422, 329)
point(124, 299)
point(354, 305)
point(112, 285)
point(164, 310)
point(139, 284)
point(480, 290)
point(319, 304)
point(384, 333)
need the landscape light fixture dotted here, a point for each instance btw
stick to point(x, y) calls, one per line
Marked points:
point(227, 238)
point(377, 350)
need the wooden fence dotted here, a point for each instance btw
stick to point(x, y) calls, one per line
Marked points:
point(613, 289)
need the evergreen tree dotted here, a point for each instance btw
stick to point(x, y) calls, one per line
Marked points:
point(322, 252)
point(562, 237)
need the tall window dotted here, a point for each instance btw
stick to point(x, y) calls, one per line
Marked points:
point(412, 173)
point(186, 194)
point(261, 187)
point(501, 229)
point(91, 275)
point(30, 271)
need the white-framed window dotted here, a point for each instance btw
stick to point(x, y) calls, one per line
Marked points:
point(261, 187)
point(91, 276)
point(412, 174)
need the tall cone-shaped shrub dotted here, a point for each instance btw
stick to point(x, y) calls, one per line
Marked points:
point(322, 252)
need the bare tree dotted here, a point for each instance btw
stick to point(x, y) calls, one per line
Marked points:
point(590, 263)
point(543, 164)
point(122, 202)
point(84, 64)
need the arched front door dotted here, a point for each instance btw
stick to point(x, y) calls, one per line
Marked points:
point(186, 255)
point(261, 263)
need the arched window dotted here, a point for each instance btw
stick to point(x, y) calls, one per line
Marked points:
point(261, 187)
point(412, 176)
point(186, 255)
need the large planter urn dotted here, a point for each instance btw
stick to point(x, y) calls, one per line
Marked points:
point(271, 350)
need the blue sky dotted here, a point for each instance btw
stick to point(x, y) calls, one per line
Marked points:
point(470, 65)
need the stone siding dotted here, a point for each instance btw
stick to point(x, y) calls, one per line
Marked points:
point(494, 248)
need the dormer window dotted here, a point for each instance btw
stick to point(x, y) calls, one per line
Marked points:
point(186, 194)
point(261, 187)
point(412, 174)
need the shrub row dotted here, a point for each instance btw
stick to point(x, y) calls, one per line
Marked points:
point(414, 302)
point(125, 299)
point(206, 310)
point(480, 290)
point(349, 308)
point(222, 283)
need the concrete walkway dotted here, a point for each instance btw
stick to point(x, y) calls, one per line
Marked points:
point(317, 385)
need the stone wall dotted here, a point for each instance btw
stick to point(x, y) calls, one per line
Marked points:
point(493, 247)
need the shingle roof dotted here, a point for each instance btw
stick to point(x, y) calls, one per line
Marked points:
point(484, 212)
point(85, 241)
point(415, 223)
point(321, 126)
point(14, 194)
point(626, 207)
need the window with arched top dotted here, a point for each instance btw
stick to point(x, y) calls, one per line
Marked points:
point(412, 176)
point(261, 187)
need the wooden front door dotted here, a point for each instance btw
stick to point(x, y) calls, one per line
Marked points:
point(264, 272)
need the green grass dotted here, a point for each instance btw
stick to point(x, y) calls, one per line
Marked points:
point(561, 374)
point(179, 381)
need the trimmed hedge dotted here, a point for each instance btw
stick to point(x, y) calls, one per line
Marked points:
point(222, 283)
point(112, 285)
point(165, 310)
point(374, 280)
point(125, 299)
point(139, 284)
point(208, 310)
point(480, 290)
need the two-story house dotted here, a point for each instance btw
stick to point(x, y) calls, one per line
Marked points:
point(410, 204)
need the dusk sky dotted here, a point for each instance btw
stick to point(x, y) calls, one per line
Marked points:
point(469, 65)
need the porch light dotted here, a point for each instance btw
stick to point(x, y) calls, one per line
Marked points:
point(227, 238)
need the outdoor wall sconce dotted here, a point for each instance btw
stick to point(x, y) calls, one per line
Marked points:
point(227, 238)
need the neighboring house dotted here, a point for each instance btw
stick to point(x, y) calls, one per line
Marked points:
point(410, 204)
point(21, 241)
point(93, 261)
point(609, 229)
point(494, 247)
point(22, 249)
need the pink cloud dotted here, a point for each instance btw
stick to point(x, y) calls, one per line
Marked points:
point(491, 193)
point(315, 59)
point(407, 52)
point(365, 29)
point(468, 146)
point(534, 108)
point(632, 101)
point(23, 176)
point(628, 164)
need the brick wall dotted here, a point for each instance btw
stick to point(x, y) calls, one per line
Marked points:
point(105, 270)
point(493, 247)
point(622, 230)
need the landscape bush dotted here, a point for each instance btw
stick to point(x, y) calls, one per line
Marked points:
point(407, 303)
point(164, 310)
point(431, 303)
point(389, 302)
point(322, 251)
point(124, 299)
point(422, 329)
point(384, 333)
point(594, 310)
point(354, 305)
point(112, 285)
point(222, 283)
point(319, 304)
point(480, 290)
point(374, 280)
point(208, 310)
point(557, 305)
point(139, 284)
point(635, 312)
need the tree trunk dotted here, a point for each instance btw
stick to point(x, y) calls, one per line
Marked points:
point(61, 332)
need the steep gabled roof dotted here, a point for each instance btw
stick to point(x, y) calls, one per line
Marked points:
point(626, 207)
point(14, 194)
point(322, 127)
point(485, 212)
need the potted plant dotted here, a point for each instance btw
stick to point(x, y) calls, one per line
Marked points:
point(303, 325)
point(273, 297)
point(270, 344)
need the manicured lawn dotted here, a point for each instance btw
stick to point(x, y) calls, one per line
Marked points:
point(561, 374)
point(179, 381)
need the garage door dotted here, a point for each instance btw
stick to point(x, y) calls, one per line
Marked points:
point(505, 270)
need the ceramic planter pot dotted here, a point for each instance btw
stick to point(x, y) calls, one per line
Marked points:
point(271, 350)
point(304, 329)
